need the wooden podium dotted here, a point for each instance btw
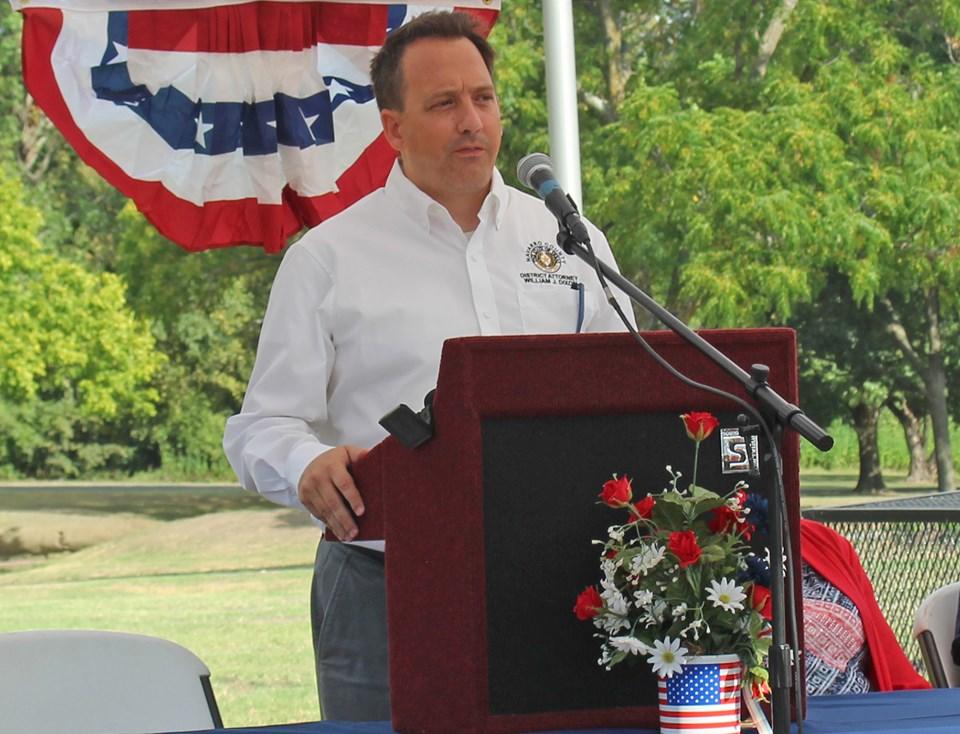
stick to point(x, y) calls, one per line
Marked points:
point(489, 524)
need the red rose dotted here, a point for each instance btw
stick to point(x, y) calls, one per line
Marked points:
point(617, 492)
point(761, 600)
point(683, 544)
point(642, 509)
point(588, 604)
point(699, 425)
point(724, 520)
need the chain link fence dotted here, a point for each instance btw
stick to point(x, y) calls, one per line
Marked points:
point(908, 547)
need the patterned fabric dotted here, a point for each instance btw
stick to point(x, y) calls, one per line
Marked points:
point(835, 651)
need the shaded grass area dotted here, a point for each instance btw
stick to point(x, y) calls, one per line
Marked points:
point(233, 587)
point(161, 502)
point(820, 487)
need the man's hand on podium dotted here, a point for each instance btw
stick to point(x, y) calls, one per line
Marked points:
point(328, 491)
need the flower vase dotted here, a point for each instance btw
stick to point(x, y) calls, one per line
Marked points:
point(703, 697)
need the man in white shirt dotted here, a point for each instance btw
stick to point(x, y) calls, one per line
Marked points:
point(361, 306)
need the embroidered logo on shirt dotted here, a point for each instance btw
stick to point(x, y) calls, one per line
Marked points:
point(545, 257)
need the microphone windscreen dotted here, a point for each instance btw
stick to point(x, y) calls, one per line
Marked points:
point(531, 164)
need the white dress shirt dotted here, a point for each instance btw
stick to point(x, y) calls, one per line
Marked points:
point(362, 304)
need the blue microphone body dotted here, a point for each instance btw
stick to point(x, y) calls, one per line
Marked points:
point(536, 172)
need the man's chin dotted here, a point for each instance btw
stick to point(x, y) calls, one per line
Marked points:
point(472, 175)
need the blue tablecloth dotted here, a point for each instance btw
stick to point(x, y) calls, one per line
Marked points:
point(880, 713)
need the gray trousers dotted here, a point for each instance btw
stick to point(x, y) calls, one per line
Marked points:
point(348, 614)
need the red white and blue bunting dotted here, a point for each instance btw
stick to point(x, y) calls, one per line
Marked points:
point(225, 122)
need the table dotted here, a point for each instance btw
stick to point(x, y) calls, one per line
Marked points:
point(936, 710)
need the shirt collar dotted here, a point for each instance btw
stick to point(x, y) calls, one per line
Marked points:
point(427, 212)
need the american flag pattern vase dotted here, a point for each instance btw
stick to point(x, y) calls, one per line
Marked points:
point(703, 698)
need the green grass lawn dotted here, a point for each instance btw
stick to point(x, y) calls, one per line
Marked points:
point(232, 586)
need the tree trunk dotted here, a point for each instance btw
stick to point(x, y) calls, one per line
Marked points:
point(935, 382)
point(772, 35)
point(921, 469)
point(865, 420)
point(932, 371)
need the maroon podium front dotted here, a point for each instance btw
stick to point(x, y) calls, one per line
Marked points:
point(489, 524)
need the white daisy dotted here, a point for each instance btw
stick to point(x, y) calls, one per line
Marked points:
point(726, 594)
point(667, 657)
point(629, 645)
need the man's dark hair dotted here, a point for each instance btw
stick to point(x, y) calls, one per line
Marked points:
point(386, 70)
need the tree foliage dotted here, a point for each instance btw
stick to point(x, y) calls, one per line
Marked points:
point(75, 362)
point(753, 162)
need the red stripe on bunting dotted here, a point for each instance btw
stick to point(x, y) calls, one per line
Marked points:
point(258, 26)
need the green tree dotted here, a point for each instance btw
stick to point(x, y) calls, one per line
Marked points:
point(75, 363)
point(205, 309)
point(739, 152)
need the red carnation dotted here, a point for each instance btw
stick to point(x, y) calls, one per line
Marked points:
point(617, 492)
point(699, 425)
point(683, 544)
point(761, 600)
point(588, 604)
point(642, 509)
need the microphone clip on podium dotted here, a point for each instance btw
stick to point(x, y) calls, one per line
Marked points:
point(774, 414)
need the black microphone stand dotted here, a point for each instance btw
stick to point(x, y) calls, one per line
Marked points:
point(777, 413)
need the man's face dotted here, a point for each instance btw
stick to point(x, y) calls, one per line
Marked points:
point(448, 133)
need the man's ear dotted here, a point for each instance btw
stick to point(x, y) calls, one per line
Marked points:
point(390, 120)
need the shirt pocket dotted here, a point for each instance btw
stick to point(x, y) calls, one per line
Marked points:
point(546, 308)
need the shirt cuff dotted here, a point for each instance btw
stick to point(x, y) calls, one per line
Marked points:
point(299, 459)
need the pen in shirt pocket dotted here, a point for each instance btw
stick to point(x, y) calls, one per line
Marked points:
point(578, 287)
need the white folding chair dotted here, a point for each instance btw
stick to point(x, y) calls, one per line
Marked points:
point(935, 627)
point(90, 682)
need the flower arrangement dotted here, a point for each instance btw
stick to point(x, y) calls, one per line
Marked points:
point(679, 578)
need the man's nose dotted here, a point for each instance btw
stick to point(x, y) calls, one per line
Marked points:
point(470, 121)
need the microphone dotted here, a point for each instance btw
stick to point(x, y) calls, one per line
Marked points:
point(535, 171)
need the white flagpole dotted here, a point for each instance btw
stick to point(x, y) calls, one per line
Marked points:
point(564, 126)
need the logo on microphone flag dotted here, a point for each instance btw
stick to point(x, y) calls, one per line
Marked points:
point(226, 122)
point(705, 695)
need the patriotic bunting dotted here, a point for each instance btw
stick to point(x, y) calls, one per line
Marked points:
point(226, 122)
